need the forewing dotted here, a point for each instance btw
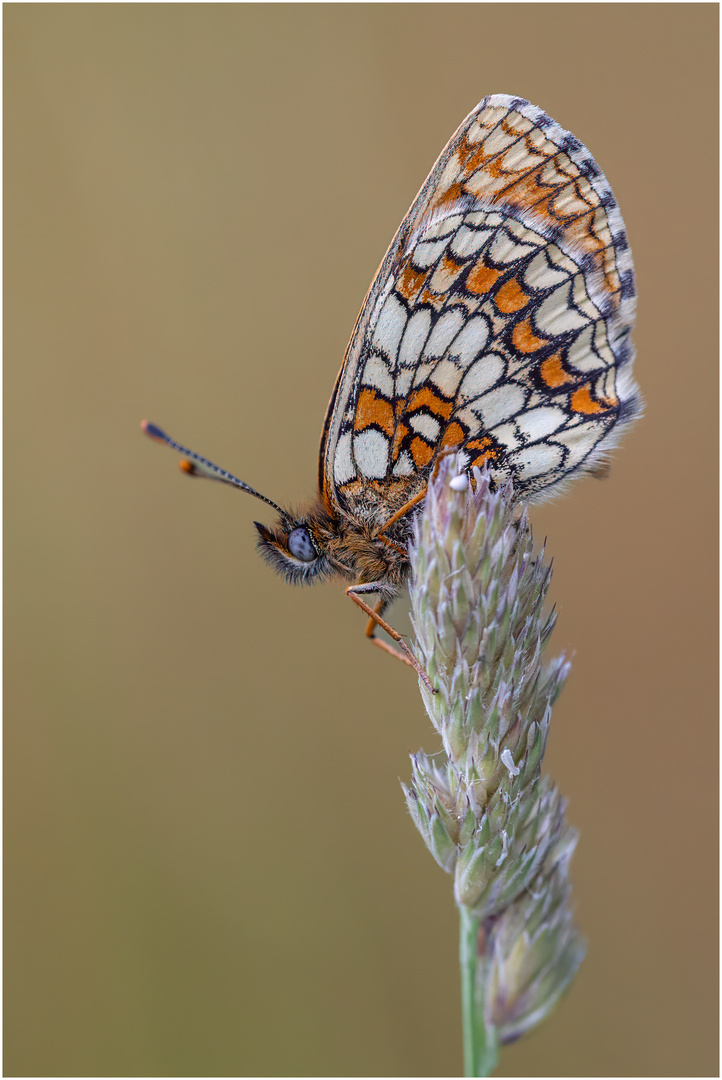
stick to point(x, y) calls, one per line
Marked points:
point(498, 322)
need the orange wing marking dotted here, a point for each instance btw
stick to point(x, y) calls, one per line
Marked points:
point(511, 297)
point(454, 435)
point(425, 396)
point(485, 448)
point(482, 278)
point(374, 409)
point(553, 373)
point(421, 452)
point(524, 338)
point(582, 402)
point(410, 282)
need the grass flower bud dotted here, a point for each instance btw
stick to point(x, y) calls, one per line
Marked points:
point(534, 950)
point(478, 592)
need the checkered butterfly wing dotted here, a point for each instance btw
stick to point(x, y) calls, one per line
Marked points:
point(498, 322)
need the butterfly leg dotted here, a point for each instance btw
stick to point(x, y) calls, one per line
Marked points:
point(392, 544)
point(399, 514)
point(403, 652)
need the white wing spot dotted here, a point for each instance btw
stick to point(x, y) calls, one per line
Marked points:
point(504, 250)
point(446, 377)
point(584, 355)
point(471, 340)
point(540, 275)
point(582, 299)
point(481, 376)
point(445, 330)
point(425, 425)
point(443, 226)
point(390, 327)
point(427, 252)
point(343, 469)
point(540, 422)
point(507, 435)
point(376, 373)
point(555, 316)
point(537, 460)
point(579, 441)
point(500, 404)
point(416, 333)
point(468, 241)
point(371, 450)
point(403, 382)
point(405, 465)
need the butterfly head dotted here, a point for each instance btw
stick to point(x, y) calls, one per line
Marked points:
point(296, 549)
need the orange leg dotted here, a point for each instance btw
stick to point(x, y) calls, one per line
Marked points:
point(403, 652)
point(403, 511)
point(392, 521)
point(391, 544)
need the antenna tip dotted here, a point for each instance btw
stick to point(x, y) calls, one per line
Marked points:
point(152, 431)
point(188, 467)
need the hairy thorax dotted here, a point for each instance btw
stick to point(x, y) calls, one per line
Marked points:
point(352, 542)
point(368, 558)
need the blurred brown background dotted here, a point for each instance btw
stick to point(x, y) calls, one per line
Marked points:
point(209, 866)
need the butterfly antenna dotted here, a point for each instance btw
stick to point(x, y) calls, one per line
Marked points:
point(195, 465)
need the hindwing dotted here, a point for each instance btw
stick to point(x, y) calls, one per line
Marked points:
point(498, 322)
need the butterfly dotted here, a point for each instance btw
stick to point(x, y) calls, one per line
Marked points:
point(498, 324)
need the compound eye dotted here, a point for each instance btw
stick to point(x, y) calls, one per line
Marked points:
point(301, 546)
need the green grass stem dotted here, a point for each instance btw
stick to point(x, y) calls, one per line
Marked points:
point(481, 1047)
